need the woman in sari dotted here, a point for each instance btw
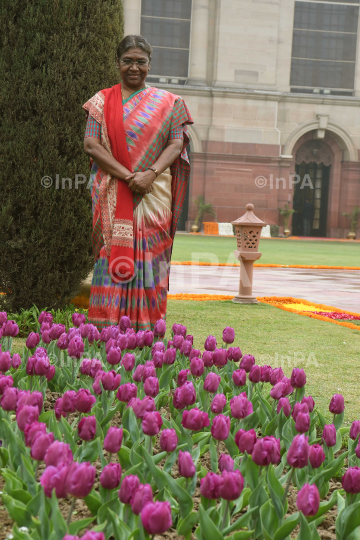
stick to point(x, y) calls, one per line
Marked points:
point(136, 137)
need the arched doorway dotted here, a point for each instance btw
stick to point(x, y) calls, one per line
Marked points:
point(311, 192)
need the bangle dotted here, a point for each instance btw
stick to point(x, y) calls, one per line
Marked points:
point(153, 170)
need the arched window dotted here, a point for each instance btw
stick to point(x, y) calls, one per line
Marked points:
point(166, 25)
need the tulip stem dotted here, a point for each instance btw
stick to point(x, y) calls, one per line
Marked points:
point(71, 511)
point(288, 485)
point(150, 445)
point(225, 515)
point(36, 470)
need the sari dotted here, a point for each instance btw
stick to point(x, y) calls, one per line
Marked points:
point(150, 118)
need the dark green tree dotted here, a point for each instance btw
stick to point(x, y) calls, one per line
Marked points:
point(54, 55)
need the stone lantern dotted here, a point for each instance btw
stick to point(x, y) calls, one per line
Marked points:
point(248, 231)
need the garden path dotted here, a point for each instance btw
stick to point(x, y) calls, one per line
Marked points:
point(338, 288)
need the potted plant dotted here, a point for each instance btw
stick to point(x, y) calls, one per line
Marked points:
point(202, 209)
point(354, 218)
point(286, 213)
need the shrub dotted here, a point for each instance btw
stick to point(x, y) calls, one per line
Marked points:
point(55, 54)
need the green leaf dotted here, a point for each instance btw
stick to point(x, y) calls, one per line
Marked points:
point(57, 520)
point(186, 525)
point(350, 519)
point(4, 457)
point(241, 535)
point(33, 506)
point(271, 427)
point(250, 471)
point(110, 414)
point(124, 457)
point(166, 377)
point(120, 529)
point(44, 517)
point(324, 507)
point(305, 531)
point(90, 452)
point(17, 511)
point(231, 446)
point(269, 520)
point(213, 456)
point(276, 492)
point(93, 502)
point(287, 527)
point(169, 463)
point(326, 474)
point(21, 495)
point(78, 526)
point(339, 418)
point(208, 527)
point(240, 523)
point(45, 417)
point(130, 423)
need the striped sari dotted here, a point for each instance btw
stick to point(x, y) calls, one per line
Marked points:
point(151, 118)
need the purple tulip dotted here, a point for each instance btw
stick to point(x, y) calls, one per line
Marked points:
point(298, 453)
point(42, 366)
point(131, 341)
point(211, 383)
point(239, 377)
point(3, 317)
point(63, 342)
point(140, 339)
point(111, 381)
point(78, 319)
point(68, 401)
point(234, 354)
point(298, 378)
point(148, 371)
point(247, 362)
point(10, 328)
point(152, 423)
point(40, 444)
point(113, 357)
point(265, 373)
point(128, 488)
point(92, 535)
point(27, 414)
point(97, 387)
point(231, 485)
point(30, 398)
point(113, 440)
point(354, 429)
point(5, 361)
point(351, 480)
point(59, 412)
point(266, 451)
point(255, 374)
point(125, 323)
point(55, 478)
point(178, 341)
point(33, 340)
point(197, 367)
point(168, 440)
point(179, 330)
point(308, 500)
point(45, 317)
point(84, 401)
point(156, 517)
point(302, 424)
point(186, 348)
point(220, 358)
point(80, 479)
point(208, 358)
point(187, 394)
point(284, 404)
point(218, 404)
point(51, 373)
point(87, 428)
point(142, 496)
point(126, 392)
point(142, 406)
point(195, 419)
point(110, 344)
point(276, 375)
point(31, 430)
point(169, 356)
point(187, 468)
point(240, 407)
point(160, 328)
point(157, 347)
point(195, 353)
point(158, 359)
point(226, 463)
point(110, 476)
point(246, 440)
point(220, 427)
point(9, 399)
point(337, 405)
point(76, 347)
point(128, 361)
point(299, 408)
point(210, 343)
point(209, 486)
point(316, 455)
point(151, 386)
point(58, 453)
point(122, 342)
point(137, 375)
point(329, 435)
point(228, 335)
point(182, 377)
point(56, 331)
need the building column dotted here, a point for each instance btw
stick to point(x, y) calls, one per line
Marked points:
point(199, 42)
point(132, 16)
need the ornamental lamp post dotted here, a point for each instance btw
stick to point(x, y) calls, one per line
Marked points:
point(248, 231)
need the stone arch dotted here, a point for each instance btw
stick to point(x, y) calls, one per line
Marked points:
point(337, 131)
point(195, 141)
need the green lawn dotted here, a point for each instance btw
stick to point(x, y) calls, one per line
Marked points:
point(329, 353)
point(188, 247)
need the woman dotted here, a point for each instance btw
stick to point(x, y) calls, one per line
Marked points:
point(136, 137)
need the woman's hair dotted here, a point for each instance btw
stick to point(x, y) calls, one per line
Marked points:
point(133, 42)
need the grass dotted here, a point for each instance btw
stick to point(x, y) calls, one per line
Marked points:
point(328, 353)
point(188, 247)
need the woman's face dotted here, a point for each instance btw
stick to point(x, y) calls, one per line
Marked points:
point(134, 74)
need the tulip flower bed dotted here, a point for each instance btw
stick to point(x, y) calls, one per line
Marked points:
point(155, 436)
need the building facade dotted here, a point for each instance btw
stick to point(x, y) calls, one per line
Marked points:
point(274, 90)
